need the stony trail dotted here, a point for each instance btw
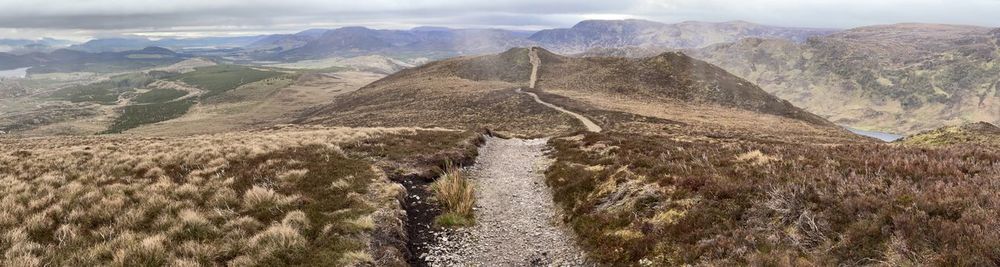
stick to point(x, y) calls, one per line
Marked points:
point(589, 124)
point(516, 219)
point(536, 63)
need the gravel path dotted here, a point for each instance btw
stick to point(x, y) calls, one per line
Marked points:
point(589, 124)
point(536, 62)
point(516, 219)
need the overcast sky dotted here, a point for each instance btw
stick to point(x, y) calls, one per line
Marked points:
point(82, 19)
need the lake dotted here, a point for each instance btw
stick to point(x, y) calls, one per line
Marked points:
point(888, 137)
point(14, 73)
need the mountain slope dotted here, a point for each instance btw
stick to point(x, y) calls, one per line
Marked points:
point(474, 92)
point(898, 78)
point(668, 77)
point(641, 33)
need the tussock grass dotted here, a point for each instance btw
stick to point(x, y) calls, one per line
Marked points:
point(457, 196)
point(240, 199)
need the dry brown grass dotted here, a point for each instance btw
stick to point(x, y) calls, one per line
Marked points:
point(242, 199)
point(457, 196)
point(679, 195)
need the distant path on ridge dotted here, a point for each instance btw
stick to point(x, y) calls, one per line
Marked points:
point(535, 64)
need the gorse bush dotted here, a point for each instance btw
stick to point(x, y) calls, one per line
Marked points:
point(457, 197)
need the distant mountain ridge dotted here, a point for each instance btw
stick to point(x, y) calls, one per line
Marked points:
point(356, 41)
point(136, 43)
point(442, 42)
point(590, 34)
point(24, 46)
point(68, 60)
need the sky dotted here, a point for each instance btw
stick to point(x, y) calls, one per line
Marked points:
point(84, 19)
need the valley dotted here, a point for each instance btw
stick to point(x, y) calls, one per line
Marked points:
point(608, 143)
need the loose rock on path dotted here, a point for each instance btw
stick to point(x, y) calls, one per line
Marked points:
point(516, 219)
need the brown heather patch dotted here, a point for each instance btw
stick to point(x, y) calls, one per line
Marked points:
point(670, 198)
point(244, 199)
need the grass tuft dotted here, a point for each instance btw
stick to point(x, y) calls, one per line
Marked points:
point(457, 196)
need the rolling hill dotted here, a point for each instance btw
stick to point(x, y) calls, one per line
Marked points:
point(971, 134)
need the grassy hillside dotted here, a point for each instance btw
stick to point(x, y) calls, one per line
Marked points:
point(970, 134)
point(307, 197)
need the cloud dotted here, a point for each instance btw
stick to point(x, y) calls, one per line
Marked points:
point(188, 17)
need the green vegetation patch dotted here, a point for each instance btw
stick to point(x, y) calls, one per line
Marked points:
point(107, 92)
point(221, 78)
point(136, 115)
point(159, 96)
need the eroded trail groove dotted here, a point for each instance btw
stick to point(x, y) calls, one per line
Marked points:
point(517, 223)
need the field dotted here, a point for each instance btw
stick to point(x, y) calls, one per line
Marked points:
point(289, 196)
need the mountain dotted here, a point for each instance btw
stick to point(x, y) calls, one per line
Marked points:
point(973, 134)
point(424, 41)
point(24, 46)
point(476, 92)
point(642, 33)
point(281, 42)
point(441, 42)
point(67, 60)
point(112, 44)
point(902, 78)
point(136, 43)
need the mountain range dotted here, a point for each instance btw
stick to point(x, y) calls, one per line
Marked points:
point(902, 78)
point(440, 42)
point(68, 60)
point(592, 34)
point(24, 46)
